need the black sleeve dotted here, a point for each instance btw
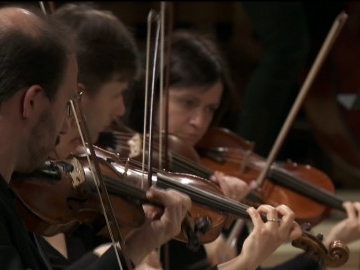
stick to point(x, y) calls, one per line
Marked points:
point(9, 258)
point(84, 262)
point(109, 261)
point(299, 262)
point(177, 255)
point(16, 248)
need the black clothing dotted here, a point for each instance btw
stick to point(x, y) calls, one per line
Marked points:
point(78, 243)
point(17, 251)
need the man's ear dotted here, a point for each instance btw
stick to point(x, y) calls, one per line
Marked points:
point(31, 100)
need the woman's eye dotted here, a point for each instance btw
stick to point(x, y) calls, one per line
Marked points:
point(187, 103)
point(211, 110)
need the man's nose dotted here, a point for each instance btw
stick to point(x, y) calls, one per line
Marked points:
point(119, 110)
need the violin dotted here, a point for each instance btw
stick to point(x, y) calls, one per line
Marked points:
point(64, 204)
point(306, 190)
point(68, 199)
point(75, 203)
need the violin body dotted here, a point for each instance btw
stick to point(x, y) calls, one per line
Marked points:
point(235, 157)
point(69, 199)
point(61, 205)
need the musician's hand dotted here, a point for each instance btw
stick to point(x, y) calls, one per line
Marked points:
point(232, 187)
point(347, 230)
point(176, 207)
point(266, 237)
point(150, 262)
point(159, 227)
point(219, 251)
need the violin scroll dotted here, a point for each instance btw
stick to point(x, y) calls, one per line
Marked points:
point(336, 256)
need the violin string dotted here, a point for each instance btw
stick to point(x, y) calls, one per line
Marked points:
point(224, 203)
point(308, 189)
point(236, 158)
point(296, 182)
point(184, 162)
point(232, 156)
point(117, 187)
point(206, 198)
point(189, 166)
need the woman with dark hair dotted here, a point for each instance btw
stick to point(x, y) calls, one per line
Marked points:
point(195, 62)
point(200, 92)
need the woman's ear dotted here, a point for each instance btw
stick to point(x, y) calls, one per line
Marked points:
point(32, 100)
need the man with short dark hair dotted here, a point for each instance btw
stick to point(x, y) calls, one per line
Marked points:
point(38, 75)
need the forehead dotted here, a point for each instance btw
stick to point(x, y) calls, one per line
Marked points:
point(212, 92)
point(112, 87)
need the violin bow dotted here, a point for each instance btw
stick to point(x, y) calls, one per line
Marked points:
point(327, 44)
point(51, 7)
point(164, 88)
point(163, 110)
point(157, 71)
point(152, 17)
point(107, 209)
point(325, 48)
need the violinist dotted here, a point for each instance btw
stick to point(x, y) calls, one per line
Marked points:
point(38, 73)
point(191, 53)
point(107, 59)
point(39, 77)
point(199, 92)
point(103, 91)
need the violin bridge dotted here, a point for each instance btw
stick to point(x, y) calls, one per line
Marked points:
point(77, 174)
point(135, 145)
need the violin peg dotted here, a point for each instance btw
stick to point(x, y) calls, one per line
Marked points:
point(320, 236)
point(306, 227)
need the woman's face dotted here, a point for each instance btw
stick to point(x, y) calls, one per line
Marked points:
point(191, 110)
